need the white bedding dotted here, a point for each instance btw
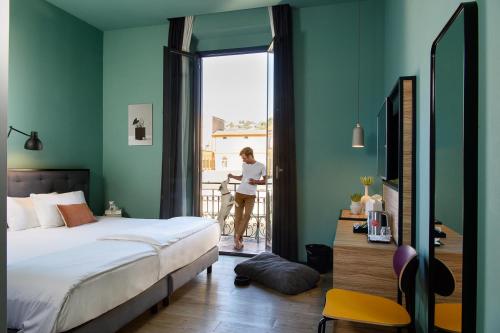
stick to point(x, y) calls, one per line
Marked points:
point(28, 243)
point(43, 292)
point(98, 288)
point(179, 241)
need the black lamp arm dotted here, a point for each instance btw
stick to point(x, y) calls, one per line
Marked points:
point(16, 130)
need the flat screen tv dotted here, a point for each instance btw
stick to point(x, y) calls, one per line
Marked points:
point(387, 139)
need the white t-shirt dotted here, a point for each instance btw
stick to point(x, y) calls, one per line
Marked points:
point(251, 171)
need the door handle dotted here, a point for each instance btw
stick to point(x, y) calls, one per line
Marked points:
point(278, 170)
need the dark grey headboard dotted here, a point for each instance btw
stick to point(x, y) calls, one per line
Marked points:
point(23, 182)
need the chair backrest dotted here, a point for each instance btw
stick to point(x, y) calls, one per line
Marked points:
point(405, 264)
point(443, 280)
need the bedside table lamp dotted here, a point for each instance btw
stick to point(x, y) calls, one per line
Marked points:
point(33, 142)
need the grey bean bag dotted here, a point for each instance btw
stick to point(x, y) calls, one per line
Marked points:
point(277, 273)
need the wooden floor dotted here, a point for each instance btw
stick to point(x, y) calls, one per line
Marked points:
point(211, 303)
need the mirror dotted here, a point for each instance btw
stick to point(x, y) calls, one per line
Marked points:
point(453, 166)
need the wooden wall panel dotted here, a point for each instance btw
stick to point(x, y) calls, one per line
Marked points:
point(407, 159)
point(451, 254)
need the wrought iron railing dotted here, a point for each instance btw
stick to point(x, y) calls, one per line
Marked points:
point(257, 226)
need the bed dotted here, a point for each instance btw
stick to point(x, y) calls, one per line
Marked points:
point(97, 277)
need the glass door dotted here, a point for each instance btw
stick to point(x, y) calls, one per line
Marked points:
point(269, 150)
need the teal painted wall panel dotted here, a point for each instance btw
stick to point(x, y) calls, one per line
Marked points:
point(133, 74)
point(325, 69)
point(56, 89)
point(231, 30)
point(4, 73)
point(411, 26)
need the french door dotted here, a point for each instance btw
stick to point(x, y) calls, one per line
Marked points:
point(269, 150)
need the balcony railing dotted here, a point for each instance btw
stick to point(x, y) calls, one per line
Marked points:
point(259, 221)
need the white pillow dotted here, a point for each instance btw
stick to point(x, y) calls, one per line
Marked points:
point(21, 214)
point(46, 206)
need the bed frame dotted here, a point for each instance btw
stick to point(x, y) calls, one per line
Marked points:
point(23, 182)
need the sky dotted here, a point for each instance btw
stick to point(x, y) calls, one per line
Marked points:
point(234, 88)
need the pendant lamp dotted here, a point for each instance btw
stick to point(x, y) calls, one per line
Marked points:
point(358, 135)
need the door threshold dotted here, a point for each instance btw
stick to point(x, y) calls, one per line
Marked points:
point(237, 254)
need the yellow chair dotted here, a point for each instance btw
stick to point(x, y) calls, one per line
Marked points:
point(447, 316)
point(369, 309)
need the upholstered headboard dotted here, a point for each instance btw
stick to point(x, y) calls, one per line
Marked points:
point(23, 182)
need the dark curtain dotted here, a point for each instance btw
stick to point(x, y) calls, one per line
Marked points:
point(171, 191)
point(285, 182)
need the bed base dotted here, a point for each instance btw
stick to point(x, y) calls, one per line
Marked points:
point(161, 291)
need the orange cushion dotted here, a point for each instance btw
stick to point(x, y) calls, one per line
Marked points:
point(448, 317)
point(364, 308)
point(75, 215)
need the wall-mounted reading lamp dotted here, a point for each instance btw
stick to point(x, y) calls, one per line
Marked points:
point(33, 142)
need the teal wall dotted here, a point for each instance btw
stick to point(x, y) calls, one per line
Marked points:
point(4, 73)
point(55, 88)
point(325, 69)
point(410, 28)
point(489, 164)
point(133, 74)
point(230, 30)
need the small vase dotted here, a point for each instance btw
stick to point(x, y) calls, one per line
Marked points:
point(365, 198)
point(112, 206)
point(140, 133)
point(355, 208)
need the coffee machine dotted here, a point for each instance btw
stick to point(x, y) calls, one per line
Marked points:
point(379, 229)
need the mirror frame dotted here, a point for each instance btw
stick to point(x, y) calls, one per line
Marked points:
point(470, 156)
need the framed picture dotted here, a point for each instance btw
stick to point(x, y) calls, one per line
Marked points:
point(140, 124)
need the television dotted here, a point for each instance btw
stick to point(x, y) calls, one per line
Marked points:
point(388, 139)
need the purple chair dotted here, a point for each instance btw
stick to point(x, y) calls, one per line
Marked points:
point(369, 309)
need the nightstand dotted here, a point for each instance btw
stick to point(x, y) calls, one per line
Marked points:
point(113, 213)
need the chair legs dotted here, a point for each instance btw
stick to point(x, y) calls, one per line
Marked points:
point(322, 325)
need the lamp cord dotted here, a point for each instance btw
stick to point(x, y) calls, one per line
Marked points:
point(359, 50)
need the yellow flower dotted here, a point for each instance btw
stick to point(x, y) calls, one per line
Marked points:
point(366, 180)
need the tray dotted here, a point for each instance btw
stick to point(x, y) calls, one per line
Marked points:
point(345, 214)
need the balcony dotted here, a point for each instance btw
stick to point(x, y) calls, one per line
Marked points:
point(258, 230)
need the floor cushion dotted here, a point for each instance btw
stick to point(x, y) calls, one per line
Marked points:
point(279, 274)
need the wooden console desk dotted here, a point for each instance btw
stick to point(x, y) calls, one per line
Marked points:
point(451, 254)
point(362, 266)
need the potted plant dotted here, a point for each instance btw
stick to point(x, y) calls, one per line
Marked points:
point(140, 130)
point(356, 203)
point(366, 181)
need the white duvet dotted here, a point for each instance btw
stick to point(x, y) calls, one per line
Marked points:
point(53, 288)
point(161, 235)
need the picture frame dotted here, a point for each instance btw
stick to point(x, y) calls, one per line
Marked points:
point(140, 125)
